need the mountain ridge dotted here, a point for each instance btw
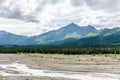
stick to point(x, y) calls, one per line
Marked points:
point(7, 38)
point(69, 35)
point(105, 37)
point(69, 31)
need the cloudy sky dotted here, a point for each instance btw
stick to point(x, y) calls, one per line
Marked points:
point(33, 17)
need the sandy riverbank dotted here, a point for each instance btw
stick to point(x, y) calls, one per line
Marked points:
point(73, 63)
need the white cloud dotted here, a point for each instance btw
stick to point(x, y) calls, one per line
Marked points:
point(33, 17)
point(107, 5)
point(21, 27)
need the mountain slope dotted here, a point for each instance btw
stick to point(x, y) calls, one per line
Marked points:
point(104, 37)
point(7, 38)
point(70, 35)
point(70, 31)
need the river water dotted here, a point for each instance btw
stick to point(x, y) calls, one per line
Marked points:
point(22, 70)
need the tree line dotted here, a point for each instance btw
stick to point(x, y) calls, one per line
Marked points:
point(59, 50)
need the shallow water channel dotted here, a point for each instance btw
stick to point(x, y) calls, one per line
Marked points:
point(17, 69)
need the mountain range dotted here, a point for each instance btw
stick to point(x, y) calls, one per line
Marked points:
point(69, 35)
point(103, 37)
point(70, 31)
point(7, 38)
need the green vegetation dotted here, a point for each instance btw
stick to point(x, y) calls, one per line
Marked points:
point(60, 50)
point(37, 55)
point(113, 56)
point(73, 59)
point(1, 77)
